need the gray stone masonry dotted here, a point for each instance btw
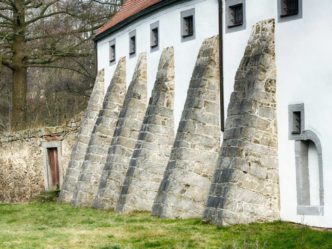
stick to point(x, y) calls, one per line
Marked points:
point(245, 185)
point(87, 185)
point(83, 138)
point(124, 139)
point(184, 189)
point(154, 144)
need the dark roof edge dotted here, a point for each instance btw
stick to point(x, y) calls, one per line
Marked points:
point(133, 18)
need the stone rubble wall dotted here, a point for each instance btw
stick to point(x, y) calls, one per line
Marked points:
point(245, 186)
point(83, 138)
point(149, 159)
point(184, 189)
point(124, 139)
point(95, 158)
point(22, 162)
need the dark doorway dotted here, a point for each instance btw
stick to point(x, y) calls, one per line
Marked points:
point(54, 167)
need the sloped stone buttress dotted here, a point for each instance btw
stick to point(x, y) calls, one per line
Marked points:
point(83, 138)
point(100, 141)
point(156, 137)
point(184, 189)
point(245, 186)
point(124, 139)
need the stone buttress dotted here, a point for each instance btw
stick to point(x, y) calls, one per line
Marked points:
point(184, 189)
point(83, 138)
point(245, 185)
point(124, 139)
point(100, 141)
point(156, 137)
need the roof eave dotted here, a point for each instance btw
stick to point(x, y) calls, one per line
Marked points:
point(145, 12)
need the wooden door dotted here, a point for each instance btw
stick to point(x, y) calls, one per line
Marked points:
point(54, 167)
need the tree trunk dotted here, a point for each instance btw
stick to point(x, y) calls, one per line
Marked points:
point(19, 103)
point(19, 90)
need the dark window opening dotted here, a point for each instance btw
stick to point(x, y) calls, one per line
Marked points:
point(296, 123)
point(154, 38)
point(112, 53)
point(132, 45)
point(188, 26)
point(289, 8)
point(235, 15)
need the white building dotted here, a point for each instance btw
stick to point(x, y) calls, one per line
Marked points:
point(304, 80)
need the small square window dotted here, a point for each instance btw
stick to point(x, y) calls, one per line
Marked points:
point(188, 24)
point(289, 8)
point(296, 122)
point(112, 52)
point(235, 15)
point(154, 38)
point(132, 43)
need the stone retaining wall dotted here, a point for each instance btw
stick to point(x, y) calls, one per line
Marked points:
point(22, 162)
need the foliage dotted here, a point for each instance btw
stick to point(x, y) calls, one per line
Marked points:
point(51, 30)
point(48, 34)
point(48, 225)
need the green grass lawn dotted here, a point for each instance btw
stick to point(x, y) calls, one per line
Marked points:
point(50, 225)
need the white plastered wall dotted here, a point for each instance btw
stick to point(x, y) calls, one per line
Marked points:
point(206, 19)
point(304, 75)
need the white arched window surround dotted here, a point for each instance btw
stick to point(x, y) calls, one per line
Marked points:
point(305, 142)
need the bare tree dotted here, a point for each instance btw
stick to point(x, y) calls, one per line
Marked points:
point(47, 34)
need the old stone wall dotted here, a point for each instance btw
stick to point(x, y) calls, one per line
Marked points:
point(22, 162)
point(124, 139)
point(155, 140)
point(84, 134)
point(185, 186)
point(95, 158)
point(245, 185)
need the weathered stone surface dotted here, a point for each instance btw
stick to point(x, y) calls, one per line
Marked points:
point(154, 144)
point(245, 185)
point(124, 139)
point(87, 185)
point(83, 138)
point(22, 162)
point(185, 186)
